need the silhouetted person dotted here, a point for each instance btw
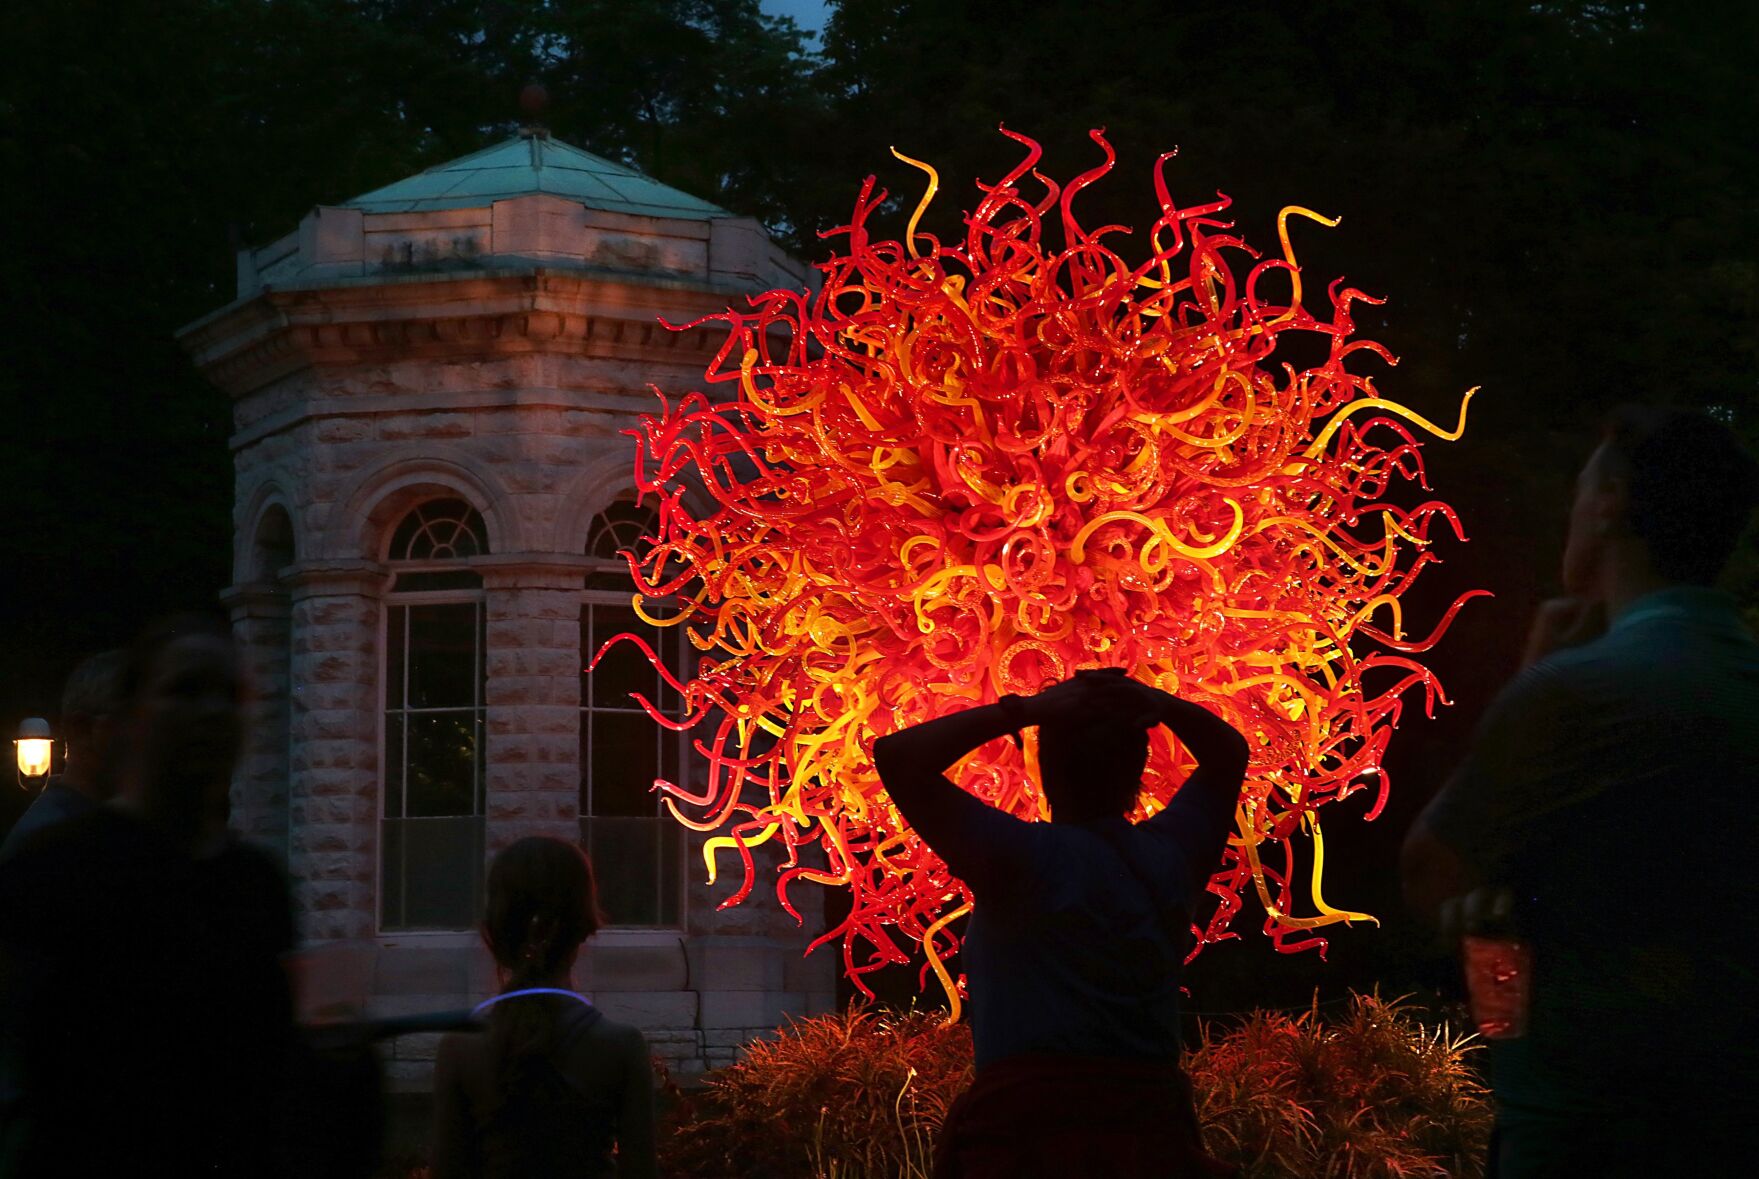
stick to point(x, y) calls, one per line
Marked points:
point(552, 1087)
point(1078, 928)
point(1606, 807)
point(88, 705)
point(145, 1013)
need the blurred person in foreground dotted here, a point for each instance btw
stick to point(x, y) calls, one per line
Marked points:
point(1603, 819)
point(552, 1087)
point(145, 1016)
point(88, 706)
point(1078, 928)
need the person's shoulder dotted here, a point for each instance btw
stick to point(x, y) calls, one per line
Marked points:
point(58, 841)
point(49, 887)
point(623, 1035)
point(56, 803)
point(1570, 678)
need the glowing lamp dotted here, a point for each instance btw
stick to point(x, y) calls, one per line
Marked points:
point(35, 747)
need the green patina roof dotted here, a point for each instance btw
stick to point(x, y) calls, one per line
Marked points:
point(527, 164)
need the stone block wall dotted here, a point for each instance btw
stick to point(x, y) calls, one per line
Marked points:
point(537, 472)
point(333, 789)
point(695, 1018)
point(507, 382)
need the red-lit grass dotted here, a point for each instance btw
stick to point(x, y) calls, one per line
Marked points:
point(1374, 1093)
point(858, 1095)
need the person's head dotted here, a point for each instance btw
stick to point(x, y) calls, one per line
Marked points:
point(1666, 495)
point(1091, 770)
point(180, 725)
point(542, 904)
point(89, 703)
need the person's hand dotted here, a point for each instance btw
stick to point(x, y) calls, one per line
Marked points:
point(1073, 700)
point(1141, 705)
point(1094, 696)
point(1562, 623)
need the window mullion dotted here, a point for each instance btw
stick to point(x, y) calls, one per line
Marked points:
point(592, 647)
point(403, 729)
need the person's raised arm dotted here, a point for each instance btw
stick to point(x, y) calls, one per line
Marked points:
point(1201, 813)
point(912, 764)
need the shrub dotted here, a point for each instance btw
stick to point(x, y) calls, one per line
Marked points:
point(1373, 1094)
point(857, 1095)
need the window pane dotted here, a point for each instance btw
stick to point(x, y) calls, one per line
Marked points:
point(624, 669)
point(616, 580)
point(393, 763)
point(671, 841)
point(391, 890)
point(443, 656)
point(395, 620)
point(627, 862)
point(432, 873)
point(669, 642)
point(442, 771)
point(623, 759)
point(440, 529)
point(669, 745)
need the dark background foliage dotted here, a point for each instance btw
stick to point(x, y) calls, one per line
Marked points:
point(1560, 199)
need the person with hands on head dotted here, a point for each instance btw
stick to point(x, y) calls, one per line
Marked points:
point(1078, 926)
point(1602, 820)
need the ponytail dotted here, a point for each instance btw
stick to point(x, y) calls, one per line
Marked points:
point(542, 904)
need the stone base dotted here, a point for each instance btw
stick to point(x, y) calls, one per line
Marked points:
point(698, 998)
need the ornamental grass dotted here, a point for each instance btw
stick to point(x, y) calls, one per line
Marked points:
point(855, 1095)
point(1373, 1093)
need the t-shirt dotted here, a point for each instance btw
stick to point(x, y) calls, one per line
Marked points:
point(1612, 786)
point(57, 803)
point(147, 1020)
point(1069, 951)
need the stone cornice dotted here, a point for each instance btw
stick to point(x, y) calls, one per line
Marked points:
point(441, 401)
point(470, 314)
point(309, 579)
point(256, 599)
point(534, 570)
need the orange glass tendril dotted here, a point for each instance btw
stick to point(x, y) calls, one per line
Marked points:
point(959, 471)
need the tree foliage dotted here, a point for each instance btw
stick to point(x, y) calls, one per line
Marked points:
point(1561, 199)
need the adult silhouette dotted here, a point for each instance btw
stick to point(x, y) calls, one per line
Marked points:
point(1602, 818)
point(1078, 927)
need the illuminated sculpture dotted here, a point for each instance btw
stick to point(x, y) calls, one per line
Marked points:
point(961, 471)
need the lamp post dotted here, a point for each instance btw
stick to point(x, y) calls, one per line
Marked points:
point(36, 750)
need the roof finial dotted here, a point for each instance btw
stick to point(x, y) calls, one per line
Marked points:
point(534, 100)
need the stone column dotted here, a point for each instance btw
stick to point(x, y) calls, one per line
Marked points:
point(333, 798)
point(533, 696)
point(260, 619)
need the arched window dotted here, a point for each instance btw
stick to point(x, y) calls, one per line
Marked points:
point(271, 548)
point(636, 849)
point(440, 530)
point(431, 846)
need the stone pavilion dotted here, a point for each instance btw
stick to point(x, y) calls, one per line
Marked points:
point(430, 384)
